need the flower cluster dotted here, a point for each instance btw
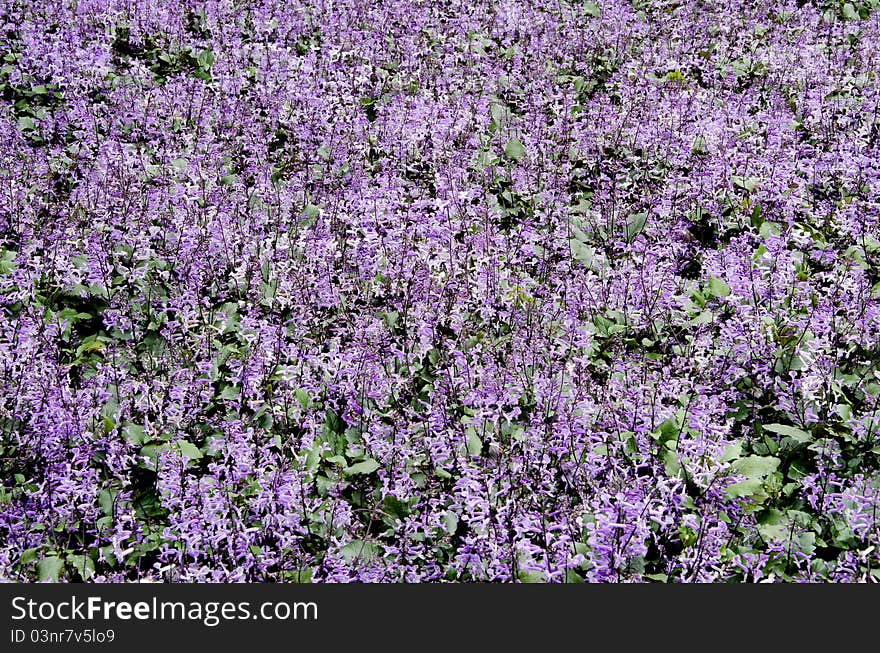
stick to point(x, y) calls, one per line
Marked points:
point(405, 291)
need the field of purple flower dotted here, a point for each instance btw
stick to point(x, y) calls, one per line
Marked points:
point(544, 290)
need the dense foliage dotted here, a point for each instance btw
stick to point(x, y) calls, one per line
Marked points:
point(539, 290)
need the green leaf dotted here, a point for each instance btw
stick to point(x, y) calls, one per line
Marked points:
point(299, 575)
point(49, 568)
point(789, 431)
point(360, 551)
point(135, 434)
point(337, 460)
point(514, 149)
point(635, 224)
point(732, 452)
point(474, 444)
point(497, 112)
point(26, 123)
point(450, 522)
point(302, 396)
point(592, 9)
point(106, 498)
point(189, 450)
point(152, 452)
point(531, 576)
point(768, 229)
point(7, 261)
point(28, 555)
point(313, 457)
point(367, 466)
point(699, 145)
point(205, 59)
point(84, 566)
point(230, 392)
point(718, 288)
point(395, 508)
point(671, 464)
point(582, 252)
point(311, 212)
point(744, 488)
point(746, 183)
point(756, 467)
point(807, 543)
point(442, 473)
point(91, 345)
point(572, 577)
point(703, 317)
point(668, 430)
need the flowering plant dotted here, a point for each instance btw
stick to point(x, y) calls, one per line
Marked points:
point(410, 291)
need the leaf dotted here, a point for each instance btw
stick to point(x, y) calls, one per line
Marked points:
point(514, 149)
point(635, 224)
point(395, 508)
point(151, 453)
point(531, 576)
point(360, 551)
point(135, 434)
point(670, 463)
point(699, 145)
point(28, 555)
point(732, 452)
point(497, 112)
point(84, 566)
point(582, 252)
point(299, 575)
point(792, 432)
point(302, 396)
point(189, 450)
point(26, 123)
point(807, 543)
point(7, 261)
point(756, 467)
point(592, 9)
point(91, 345)
point(48, 569)
point(718, 288)
point(205, 59)
point(230, 392)
point(106, 499)
point(768, 229)
point(311, 212)
point(668, 430)
point(746, 183)
point(474, 444)
point(704, 317)
point(744, 488)
point(367, 466)
point(572, 577)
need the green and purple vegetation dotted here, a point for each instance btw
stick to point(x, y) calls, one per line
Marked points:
point(410, 291)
